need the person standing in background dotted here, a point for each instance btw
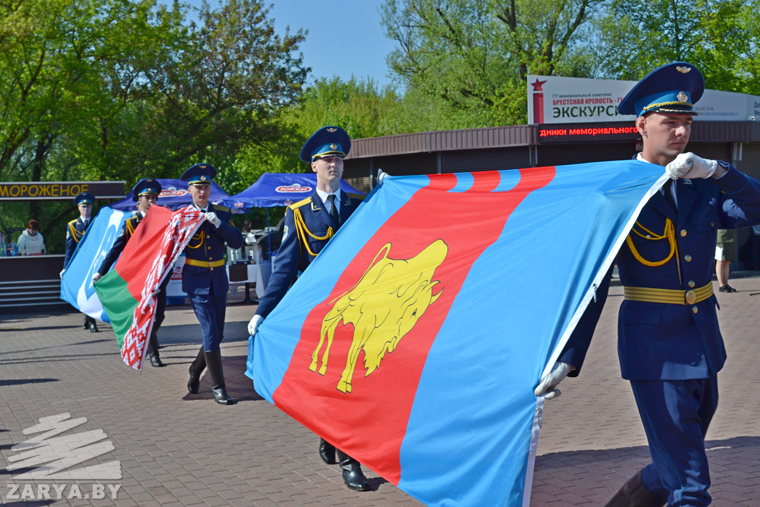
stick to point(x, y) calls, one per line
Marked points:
point(31, 241)
point(74, 232)
point(725, 254)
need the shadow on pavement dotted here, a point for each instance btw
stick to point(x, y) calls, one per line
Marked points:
point(716, 450)
point(239, 386)
point(185, 334)
point(18, 382)
point(54, 359)
point(89, 342)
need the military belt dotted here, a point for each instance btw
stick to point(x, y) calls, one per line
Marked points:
point(205, 264)
point(669, 296)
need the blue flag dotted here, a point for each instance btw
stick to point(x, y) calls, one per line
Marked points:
point(415, 339)
point(76, 283)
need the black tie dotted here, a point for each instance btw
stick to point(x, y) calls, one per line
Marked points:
point(333, 210)
point(669, 193)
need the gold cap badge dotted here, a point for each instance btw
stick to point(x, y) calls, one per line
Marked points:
point(682, 96)
point(683, 70)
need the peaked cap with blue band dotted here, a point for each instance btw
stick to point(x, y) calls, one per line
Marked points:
point(84, 198)
point(146, 186)
point(671, 88)
point(328, 141)
point(199, 174)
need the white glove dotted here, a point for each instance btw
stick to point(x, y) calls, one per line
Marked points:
point(558, 372)
point(96, 277)
point(254, 324)
point(211, 217)
point(60, 275)
point(688, 165)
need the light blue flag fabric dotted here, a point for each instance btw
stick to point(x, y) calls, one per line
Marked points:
point(76, 283)
point(442, 302)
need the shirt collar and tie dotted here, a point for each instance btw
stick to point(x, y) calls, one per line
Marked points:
point(332, 203)
point(668, 189)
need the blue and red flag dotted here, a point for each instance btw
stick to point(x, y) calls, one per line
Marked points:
point(415, 339)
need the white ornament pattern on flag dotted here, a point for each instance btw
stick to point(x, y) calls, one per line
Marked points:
point(179, 231)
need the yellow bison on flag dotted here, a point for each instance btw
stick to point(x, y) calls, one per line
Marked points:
point(383, 306)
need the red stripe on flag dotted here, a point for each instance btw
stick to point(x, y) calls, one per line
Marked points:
point(137, 258)
point(369, 420)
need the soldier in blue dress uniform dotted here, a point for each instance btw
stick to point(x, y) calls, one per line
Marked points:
point(669, 344)
point(309, 225)
point(204, 278)
point(145, 193)
point(74, 232)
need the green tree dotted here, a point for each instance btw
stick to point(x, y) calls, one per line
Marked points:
point(720, 37)
point(473, 55)
point(224, 90)
point(120, 89)
point(64, 66)
point(357, 105)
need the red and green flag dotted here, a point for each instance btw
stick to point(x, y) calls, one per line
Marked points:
point(127, 291)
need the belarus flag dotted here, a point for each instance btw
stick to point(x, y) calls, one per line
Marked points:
point(416, 338)
point(126, 291)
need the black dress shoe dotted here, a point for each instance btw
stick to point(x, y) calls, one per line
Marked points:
point(85, 323)
point(726, 288)
point(353, 476)
point(221, 396)
point(156, 361)
point(327, 452)
point(93, 327)
point(195, 381)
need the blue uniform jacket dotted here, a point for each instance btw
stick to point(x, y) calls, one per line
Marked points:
point(74, 232)
point(207, 245)
point(295, 254)
point(118, 246)
point(658, 341)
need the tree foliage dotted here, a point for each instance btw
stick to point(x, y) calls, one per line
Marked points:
point(720, 37)
point(474, 55)
point(123, 89)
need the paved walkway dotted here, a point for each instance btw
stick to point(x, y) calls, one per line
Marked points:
point(181, 449)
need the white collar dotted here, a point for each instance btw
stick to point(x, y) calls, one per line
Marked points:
point(323, 195)
point(640, 158)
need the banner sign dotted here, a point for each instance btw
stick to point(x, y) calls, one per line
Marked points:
point(550, 134)
point(553, 99)
point(59, 190)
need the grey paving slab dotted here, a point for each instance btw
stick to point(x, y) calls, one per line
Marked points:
point(180, 449)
